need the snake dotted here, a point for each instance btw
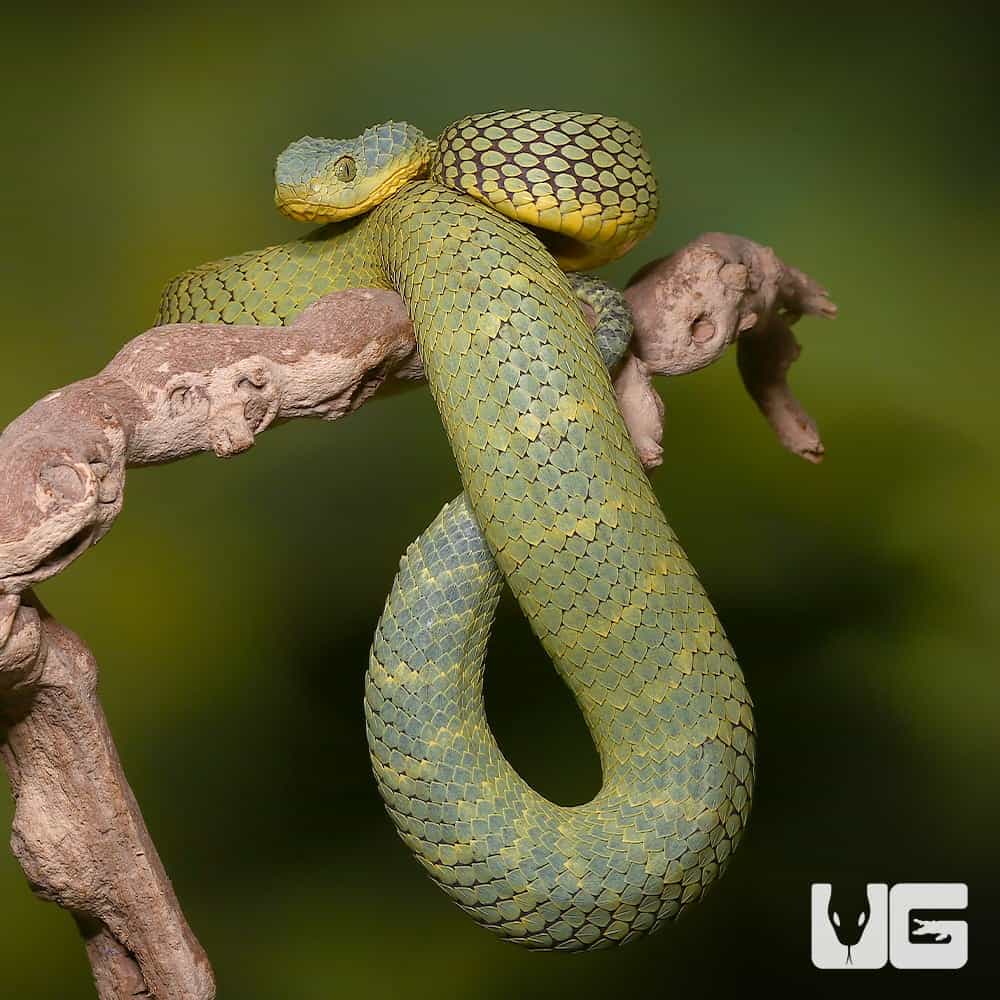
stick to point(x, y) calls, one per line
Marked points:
point(480, 231)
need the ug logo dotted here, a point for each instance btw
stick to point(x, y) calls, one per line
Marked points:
point(913, 925)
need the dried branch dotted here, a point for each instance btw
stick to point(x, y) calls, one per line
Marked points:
point(78, 833)
point(177, 390)
point(691, 306)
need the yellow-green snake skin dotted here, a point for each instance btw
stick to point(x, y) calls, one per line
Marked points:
point(555, 502)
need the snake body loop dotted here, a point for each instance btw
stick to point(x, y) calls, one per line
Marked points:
point(556, 503)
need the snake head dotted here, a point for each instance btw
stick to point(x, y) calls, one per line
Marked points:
point(326, 180)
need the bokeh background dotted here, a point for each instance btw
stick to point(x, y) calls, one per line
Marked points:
point(232, 606)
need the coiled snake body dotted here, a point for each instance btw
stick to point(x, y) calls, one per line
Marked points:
point(555, 502)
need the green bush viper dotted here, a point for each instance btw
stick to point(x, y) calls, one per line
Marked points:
point(468, 229)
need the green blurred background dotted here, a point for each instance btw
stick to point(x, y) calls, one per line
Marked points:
point(232, 606)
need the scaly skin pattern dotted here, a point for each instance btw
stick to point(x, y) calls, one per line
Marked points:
point(584, 180)
point(566, 510)
point(557, 504)
point(271, 287)
point(614, 329)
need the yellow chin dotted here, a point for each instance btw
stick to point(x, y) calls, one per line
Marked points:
point(298, 205)
point(303, 211)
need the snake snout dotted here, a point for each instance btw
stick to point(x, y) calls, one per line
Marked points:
point(291, 201)
point(305, 203)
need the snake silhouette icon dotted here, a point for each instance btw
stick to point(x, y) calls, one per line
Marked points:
point(849, 912)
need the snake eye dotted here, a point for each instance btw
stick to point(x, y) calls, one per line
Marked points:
point(345, 169)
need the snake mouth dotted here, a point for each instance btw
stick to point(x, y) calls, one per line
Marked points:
point(293, 203)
